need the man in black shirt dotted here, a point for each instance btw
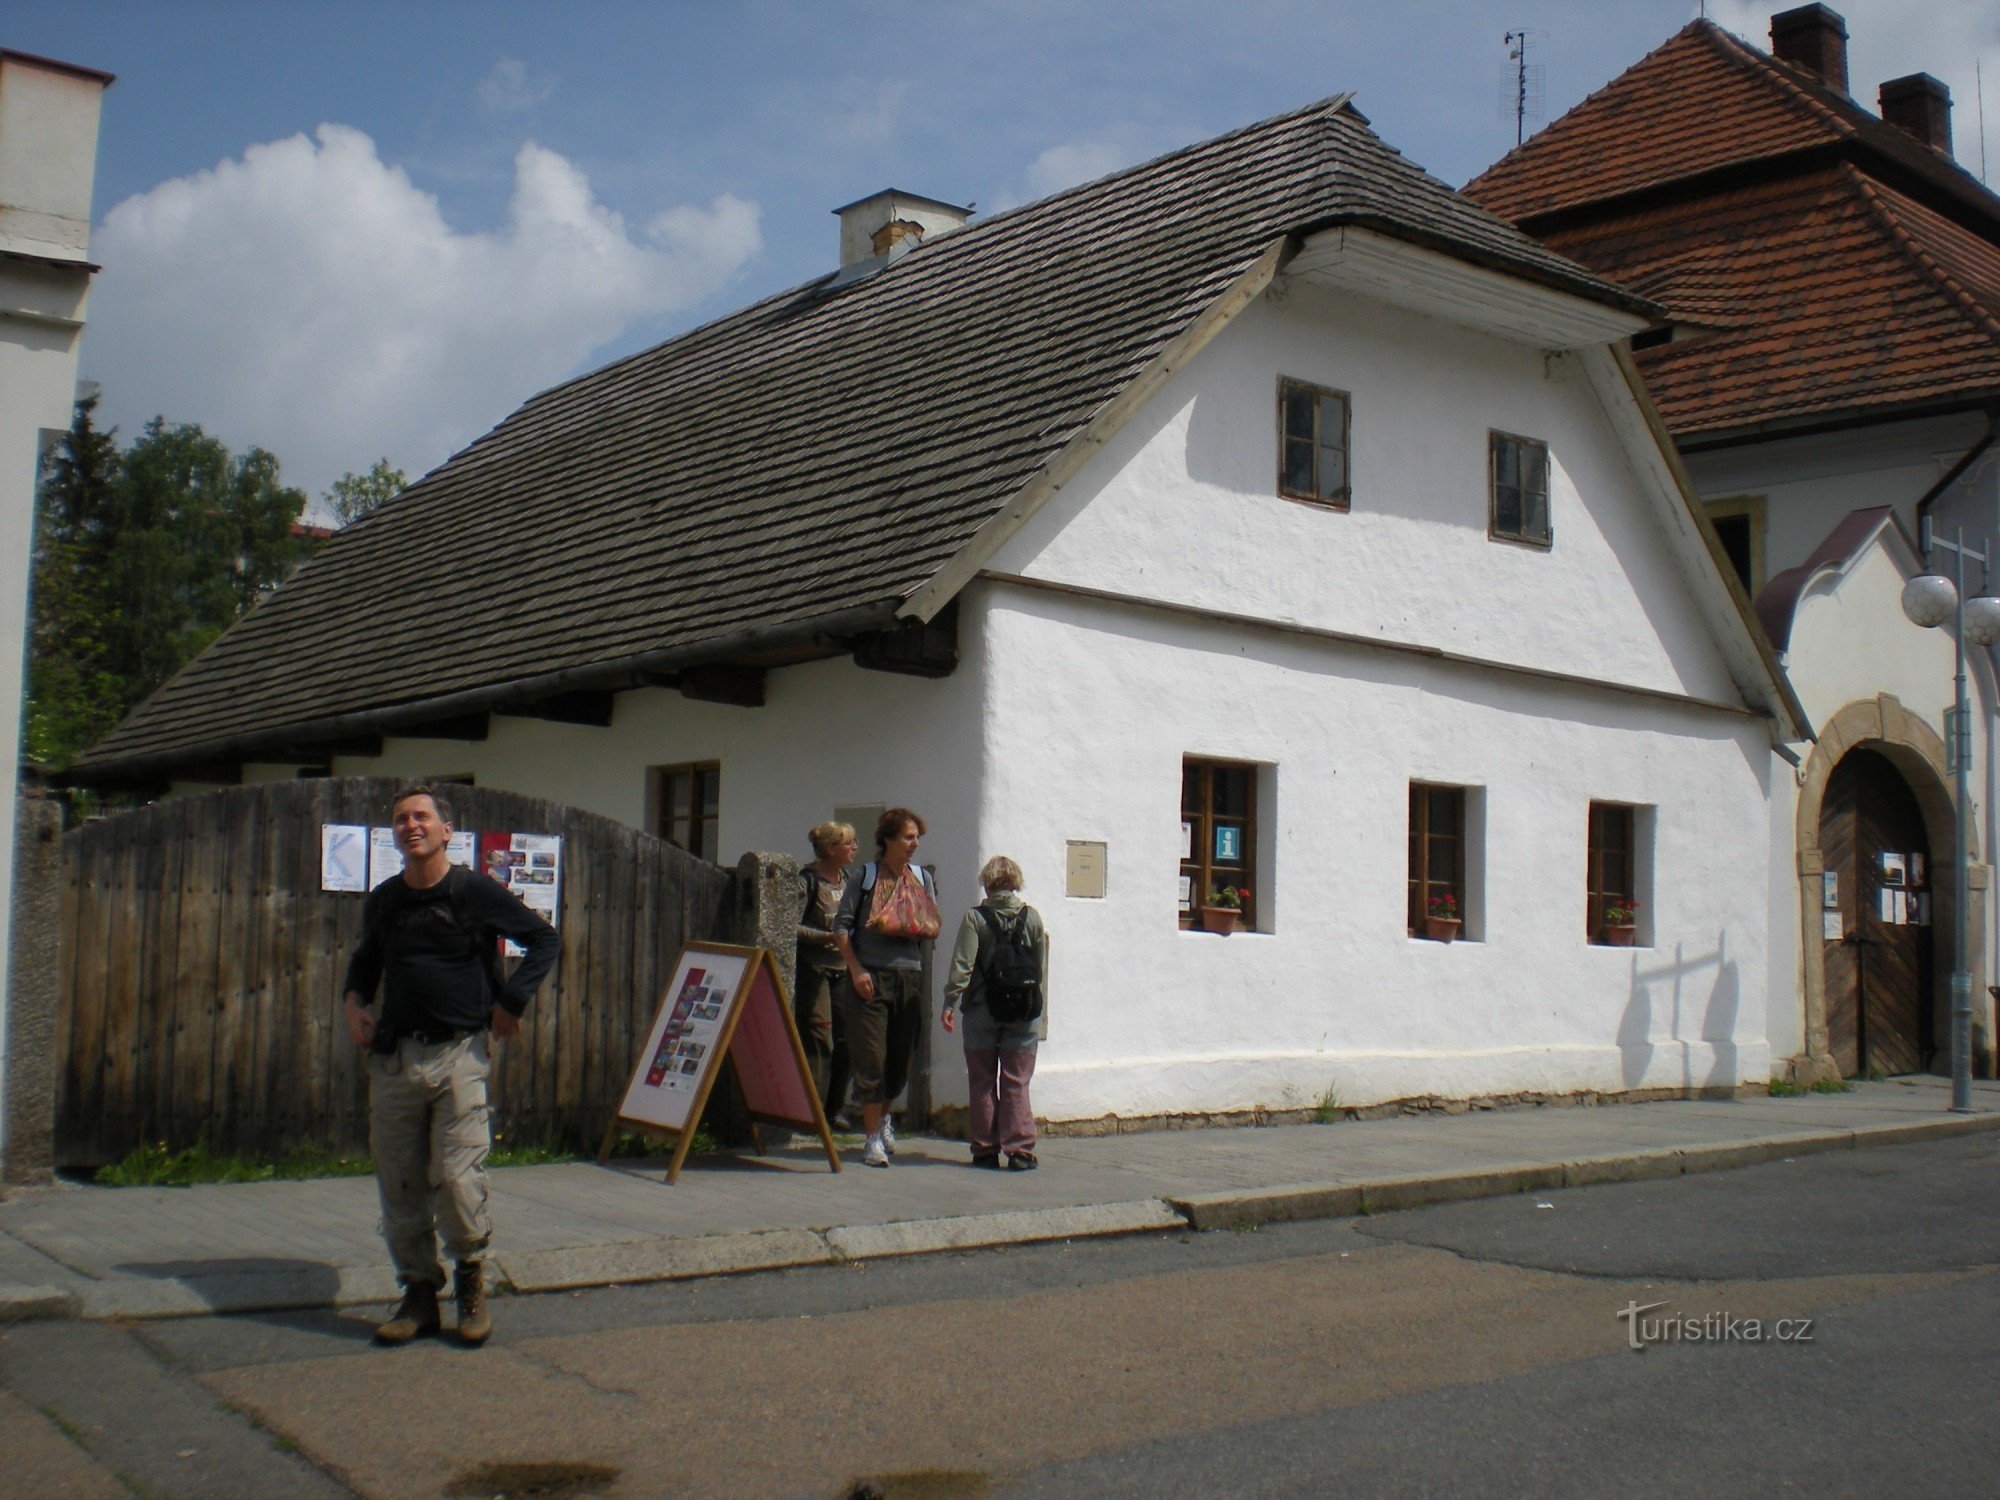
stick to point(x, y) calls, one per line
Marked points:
point(430, 939)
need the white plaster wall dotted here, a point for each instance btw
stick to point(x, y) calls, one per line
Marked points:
point(48, 155)
point(1810, 483)
point(1182, 503)
point(1334, 996)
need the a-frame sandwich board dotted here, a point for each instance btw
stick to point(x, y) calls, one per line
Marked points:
point(723, 1000)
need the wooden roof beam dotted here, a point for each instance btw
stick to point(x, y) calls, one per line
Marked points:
point(590, 708)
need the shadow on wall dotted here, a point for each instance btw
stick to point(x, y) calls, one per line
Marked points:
point(1636, 1040)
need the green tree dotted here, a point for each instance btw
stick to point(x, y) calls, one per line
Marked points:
point(142, 558)
point(354, 495)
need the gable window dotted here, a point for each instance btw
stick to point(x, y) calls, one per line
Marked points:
point(1739, 526)
point(1619, 874)
point(1218, 836)
point(1518, 468)
point(1437, 853)
point(686, 807)
point(1312, 444)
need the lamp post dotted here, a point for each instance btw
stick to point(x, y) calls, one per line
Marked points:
point(1929, 600)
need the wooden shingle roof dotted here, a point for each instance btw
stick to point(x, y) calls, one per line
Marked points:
point(815, 457)
point(1829, 265)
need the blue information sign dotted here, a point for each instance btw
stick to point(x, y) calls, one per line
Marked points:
point(1229, 843)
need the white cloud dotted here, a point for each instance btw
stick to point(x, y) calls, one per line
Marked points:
point(311, 299)
point(1893, 38)
point(505, 90)
point(1063, 166)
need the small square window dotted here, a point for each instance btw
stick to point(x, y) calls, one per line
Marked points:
point(1437, 853)
point(687, 807)
point(1518, 469)
point(1312, 444)
point(1218, 837)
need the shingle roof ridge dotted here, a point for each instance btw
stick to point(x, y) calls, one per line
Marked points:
point(1329, 106)
point(1885, 215)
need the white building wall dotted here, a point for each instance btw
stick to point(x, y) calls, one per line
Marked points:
point(1333, 996)
point(48, 158)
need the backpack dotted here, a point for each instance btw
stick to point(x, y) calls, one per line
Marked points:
point(1011, 969)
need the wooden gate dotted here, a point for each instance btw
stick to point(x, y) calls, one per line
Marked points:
point(200, 970)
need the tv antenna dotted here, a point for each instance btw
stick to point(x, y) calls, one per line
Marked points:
point(1525, 88)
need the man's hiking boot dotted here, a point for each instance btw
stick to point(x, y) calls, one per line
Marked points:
point(469, 1282)
point(415, 1315)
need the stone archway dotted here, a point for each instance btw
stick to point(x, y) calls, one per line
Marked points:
point(1917, 751)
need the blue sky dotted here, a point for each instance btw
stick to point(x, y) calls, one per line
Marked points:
point(349, 230)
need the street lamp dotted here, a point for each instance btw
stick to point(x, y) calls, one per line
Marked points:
point(1929, 600)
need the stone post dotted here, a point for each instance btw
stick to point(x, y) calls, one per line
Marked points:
point(28, 1132)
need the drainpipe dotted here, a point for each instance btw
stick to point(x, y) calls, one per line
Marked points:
point(1953, 474)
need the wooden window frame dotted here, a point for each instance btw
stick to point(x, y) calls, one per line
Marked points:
point(1495, 438)
point(1424, 880)
point(664, 817)
point(1344, 498)
point(1202, 867)
point(1611, 841)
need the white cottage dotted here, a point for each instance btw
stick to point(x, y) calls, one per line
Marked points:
point(1264, 517)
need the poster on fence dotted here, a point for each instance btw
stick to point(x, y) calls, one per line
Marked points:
point(529, 865)
point(343, 857)
point(347, 850)
point(723, 1001)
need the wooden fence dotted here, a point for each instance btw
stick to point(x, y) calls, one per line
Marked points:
point(200, 970)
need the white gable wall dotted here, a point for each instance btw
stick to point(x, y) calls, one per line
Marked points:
point(1182, 505)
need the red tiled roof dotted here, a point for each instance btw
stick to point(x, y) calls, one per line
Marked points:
point(1700, 101)
point(1831, 263)
point(1814, 294)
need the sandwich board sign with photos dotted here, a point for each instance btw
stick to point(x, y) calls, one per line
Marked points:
point(723, 1000)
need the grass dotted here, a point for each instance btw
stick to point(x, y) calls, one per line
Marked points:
point(1327, 1110)
point(1784, 1088)
point(158, 1165)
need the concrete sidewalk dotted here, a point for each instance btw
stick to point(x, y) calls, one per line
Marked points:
point(72, 1251)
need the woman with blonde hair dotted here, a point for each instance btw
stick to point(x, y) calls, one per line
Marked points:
point(1000, 977)
point(821, 973)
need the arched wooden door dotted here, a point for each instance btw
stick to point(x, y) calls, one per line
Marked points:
point(1878, 969)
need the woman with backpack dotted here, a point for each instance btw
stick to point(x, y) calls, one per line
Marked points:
point(887, 914)
point(1000, 975)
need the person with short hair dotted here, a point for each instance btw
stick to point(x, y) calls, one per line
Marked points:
point(430, 939)
point(999, 1055)
point(820, 974)
point(886, 917)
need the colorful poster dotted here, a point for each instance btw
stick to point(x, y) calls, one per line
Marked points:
point(683, 1045)
point(343, 857)
point(529, 865)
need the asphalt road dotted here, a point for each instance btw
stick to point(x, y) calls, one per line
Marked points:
point(1467, 1349)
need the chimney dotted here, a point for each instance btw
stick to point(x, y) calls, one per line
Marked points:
point(1920, 106)
point(883, 226)
point(1812, 39)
